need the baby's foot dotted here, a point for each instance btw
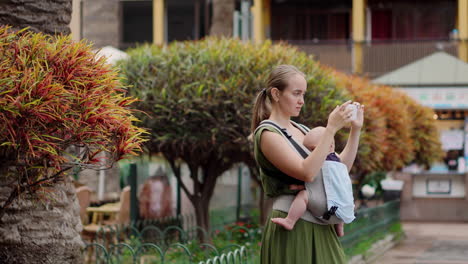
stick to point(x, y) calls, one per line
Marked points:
point(284, 222)
point(339, 229)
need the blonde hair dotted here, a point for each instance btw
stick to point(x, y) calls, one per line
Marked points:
point(278, 79)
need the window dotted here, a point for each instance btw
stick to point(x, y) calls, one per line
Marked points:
point(412, 20)
point(137, 22)
point(310, 24)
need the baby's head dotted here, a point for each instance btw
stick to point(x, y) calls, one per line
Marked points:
point(313, 137)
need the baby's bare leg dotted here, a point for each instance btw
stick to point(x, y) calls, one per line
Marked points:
point(298, 207)
point(339, 229)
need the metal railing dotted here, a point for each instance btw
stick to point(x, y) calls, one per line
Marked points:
point(238, 256)
point(369, 221)
point(163, 248)
point(149, 253)
point(379, 57)
point(336, 55)
point(166, 230)
point(164, 237)
point(155, 245)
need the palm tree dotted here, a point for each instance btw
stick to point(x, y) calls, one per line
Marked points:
point(48, 16)
point(27, 230)
point(39, 213)
point(221, 23)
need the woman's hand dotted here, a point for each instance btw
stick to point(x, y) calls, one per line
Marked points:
point(359, 121)
point(339, 117)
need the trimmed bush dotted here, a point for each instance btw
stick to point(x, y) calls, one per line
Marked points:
point(397, 130)
point(425, 136)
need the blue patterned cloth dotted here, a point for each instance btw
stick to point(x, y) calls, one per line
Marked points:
point(338, 189)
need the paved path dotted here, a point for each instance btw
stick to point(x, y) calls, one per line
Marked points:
point(430, 243)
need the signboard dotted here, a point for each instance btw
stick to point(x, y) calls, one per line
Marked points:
point(466, 144)
point(440, 97)
point(438, 186)
point(452, 139)
point(466, 137)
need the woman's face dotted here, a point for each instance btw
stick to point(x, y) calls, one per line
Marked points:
point(291, 99)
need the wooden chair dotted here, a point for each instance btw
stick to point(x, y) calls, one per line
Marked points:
point(83, 194)
point(122, 216)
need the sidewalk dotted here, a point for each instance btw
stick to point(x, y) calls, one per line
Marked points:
point(430, 243)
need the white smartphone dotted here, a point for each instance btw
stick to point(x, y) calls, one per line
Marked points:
point(354, 108)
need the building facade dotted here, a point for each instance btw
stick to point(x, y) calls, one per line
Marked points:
point(368, 37)
point(126, 23)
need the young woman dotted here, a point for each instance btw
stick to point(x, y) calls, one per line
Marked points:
point(311, 241)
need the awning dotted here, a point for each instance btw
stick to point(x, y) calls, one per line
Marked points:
point(438, 68)
point(440, 97)
point(439, 81)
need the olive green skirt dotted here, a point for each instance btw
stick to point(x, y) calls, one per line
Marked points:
point(307, 243)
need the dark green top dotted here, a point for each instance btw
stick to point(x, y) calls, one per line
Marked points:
point(274, 181)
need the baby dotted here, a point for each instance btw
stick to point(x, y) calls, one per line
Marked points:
point(299, 205)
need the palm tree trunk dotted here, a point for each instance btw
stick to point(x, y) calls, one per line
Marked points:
point(48, 16)
point(221, 24)
point(33, 231)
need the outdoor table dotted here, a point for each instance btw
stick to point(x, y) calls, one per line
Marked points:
point(98, 213)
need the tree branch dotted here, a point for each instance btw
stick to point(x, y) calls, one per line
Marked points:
point(196, 183)
point(177, 174)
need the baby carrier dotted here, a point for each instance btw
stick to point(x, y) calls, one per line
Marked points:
point(330, 194)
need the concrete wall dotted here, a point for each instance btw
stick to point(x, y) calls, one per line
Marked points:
point(431, 208)
point(101, 22)
point(90, 178)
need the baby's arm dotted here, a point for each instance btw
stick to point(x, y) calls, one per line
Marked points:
point(348, 155)
point(349, 152)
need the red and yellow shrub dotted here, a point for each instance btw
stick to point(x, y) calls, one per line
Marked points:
point(57, 97)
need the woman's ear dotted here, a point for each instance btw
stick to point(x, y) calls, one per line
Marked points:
point(275, 93)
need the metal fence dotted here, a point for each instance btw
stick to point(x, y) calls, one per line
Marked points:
point(150, 253)
point(154, 244)
point(379, 57)
point(369, 221)
point(169, 245)
point(135, 174)
point(164, 237)
point(238, 256)
point(164, 231)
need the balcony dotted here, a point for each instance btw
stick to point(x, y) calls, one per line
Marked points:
point(379, 57)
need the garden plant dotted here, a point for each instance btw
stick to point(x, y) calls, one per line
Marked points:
point(60, 108)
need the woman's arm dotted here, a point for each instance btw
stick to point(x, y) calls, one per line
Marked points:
point(277, 150)
point(348, 155)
